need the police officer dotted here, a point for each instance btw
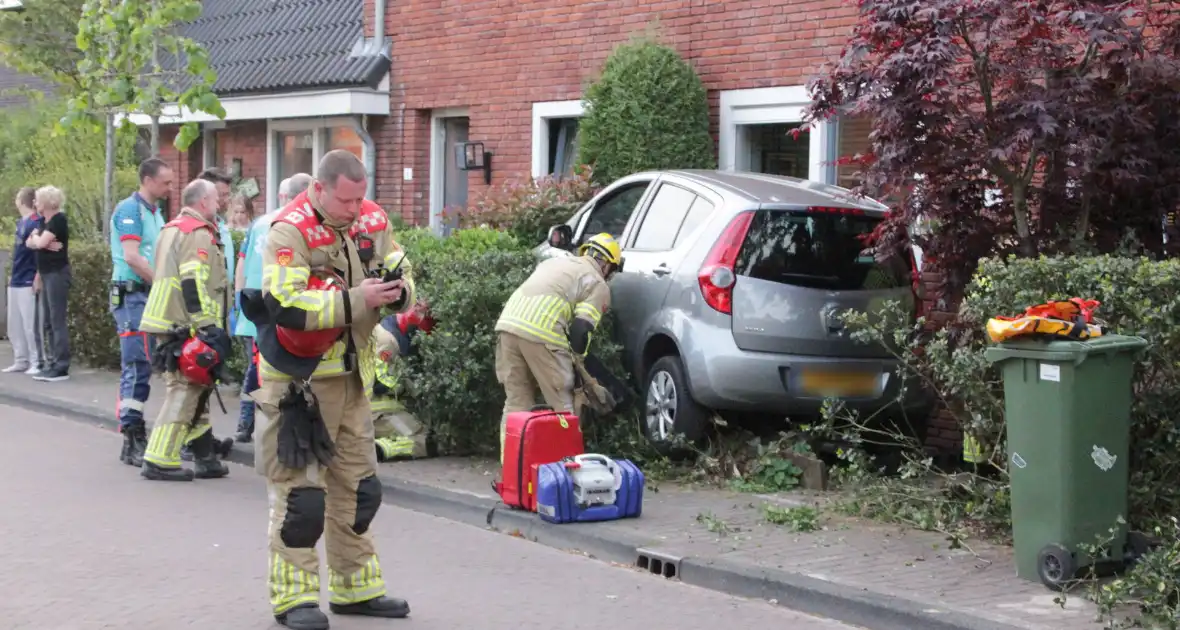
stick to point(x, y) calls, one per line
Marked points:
point(135, 227)
point(544, 329)
point(249, 276)
point(314, 318)
point(399, 434)
point(190, 294)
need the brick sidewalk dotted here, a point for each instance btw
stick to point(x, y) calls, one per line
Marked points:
point(715, 527)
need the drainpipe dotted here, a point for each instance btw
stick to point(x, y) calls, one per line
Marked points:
point(359, 125)
point(379, 24)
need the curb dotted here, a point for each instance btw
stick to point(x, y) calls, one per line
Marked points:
point(799, 592)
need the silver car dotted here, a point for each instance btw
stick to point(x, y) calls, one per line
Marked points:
point(730, 290)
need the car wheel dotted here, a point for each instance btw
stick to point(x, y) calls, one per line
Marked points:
point(668, 407)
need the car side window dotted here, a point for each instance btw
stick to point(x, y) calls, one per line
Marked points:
point(612, 214)
point(667, 211)
point(700, 210)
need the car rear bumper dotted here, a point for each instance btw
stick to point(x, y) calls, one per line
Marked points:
point(724, 377)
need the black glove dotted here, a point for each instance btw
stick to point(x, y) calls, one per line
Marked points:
point(380, 389)
point(219, 340)
point(302, 434)
point(166, 357)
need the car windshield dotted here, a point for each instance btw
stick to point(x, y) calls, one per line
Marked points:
point(819, 250)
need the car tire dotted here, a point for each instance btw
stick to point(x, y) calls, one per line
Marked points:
point(668, 407)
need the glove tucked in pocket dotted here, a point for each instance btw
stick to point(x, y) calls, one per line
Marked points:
point(303, 437)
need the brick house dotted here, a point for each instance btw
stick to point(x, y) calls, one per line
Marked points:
point(300, 77)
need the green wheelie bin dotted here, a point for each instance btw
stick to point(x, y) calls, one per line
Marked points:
point(1068, 409)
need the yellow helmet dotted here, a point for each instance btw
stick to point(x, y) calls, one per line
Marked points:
point(603, 246)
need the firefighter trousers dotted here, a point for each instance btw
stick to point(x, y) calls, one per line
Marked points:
point(399, 434)
point(338, 501)
point(523, 367)
point(183, 418)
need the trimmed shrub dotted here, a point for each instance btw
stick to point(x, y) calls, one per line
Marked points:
point(648, 110)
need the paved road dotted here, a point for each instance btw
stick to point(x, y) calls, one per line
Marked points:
point(87, 544)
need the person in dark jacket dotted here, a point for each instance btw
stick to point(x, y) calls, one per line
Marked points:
point(52, 242)
point(22, 299)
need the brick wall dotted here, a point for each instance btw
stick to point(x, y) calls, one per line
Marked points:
point(496, 60)
point(239, 140)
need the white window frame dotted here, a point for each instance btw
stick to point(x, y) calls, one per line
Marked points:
point(438, 160)
point(319, 145)
point(208, 141)
point(776, 105)
point(542, 114)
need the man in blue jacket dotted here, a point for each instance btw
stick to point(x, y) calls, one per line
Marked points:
point(135, 226)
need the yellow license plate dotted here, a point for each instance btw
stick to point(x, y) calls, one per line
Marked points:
point(838, 384)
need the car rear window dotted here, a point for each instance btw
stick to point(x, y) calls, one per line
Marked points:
point(819, 250)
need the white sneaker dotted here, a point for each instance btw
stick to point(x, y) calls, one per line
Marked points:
point(14, 368)
point(33, 371)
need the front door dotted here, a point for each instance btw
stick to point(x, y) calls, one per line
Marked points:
point(454, 181)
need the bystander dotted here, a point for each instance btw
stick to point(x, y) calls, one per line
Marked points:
point(22, 301)
point(54, 278)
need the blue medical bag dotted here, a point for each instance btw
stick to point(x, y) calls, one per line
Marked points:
point(589, 487)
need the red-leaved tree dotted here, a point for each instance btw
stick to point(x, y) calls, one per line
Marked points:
point(1014, 125)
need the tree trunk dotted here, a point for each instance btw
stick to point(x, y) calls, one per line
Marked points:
point(155, 141)
point(108, 182)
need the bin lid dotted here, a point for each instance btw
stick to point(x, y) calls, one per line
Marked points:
point(1065, 350)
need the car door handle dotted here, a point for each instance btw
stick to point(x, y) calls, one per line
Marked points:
point(662, 270)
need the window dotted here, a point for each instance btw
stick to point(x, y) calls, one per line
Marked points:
point(777, 149)
point(555, 137)
point(664, 216)
point(701, 209)
point(818, 251)
point(563, 146)
point(611, 214)
point(345, 138)
point(854, 140)
point(296, 153)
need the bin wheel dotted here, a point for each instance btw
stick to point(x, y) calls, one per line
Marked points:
point(1055, 566)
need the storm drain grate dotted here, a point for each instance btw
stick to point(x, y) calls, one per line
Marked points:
point(658, 563)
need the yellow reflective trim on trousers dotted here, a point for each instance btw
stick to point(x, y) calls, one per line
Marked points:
point(196, 431)
point(155, 313)
point(163, 447)
point(395, 446)
point(367, 583)
point(291, 586)
point(588, 312)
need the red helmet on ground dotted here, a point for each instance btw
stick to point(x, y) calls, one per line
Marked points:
point(308, 344)
point(197, 361)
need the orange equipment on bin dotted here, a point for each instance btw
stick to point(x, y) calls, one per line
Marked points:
point(1064, 319)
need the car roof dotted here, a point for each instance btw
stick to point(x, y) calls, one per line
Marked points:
point(760, 189)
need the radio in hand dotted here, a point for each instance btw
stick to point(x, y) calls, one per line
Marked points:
point(388, 275)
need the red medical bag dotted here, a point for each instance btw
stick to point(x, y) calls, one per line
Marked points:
point(532, 438)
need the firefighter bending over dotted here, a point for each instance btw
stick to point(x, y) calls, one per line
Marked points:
point(186, 312)
point(399, 434)
point(544, 329)
point(315, 317)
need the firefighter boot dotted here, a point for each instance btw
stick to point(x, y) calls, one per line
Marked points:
point(126, 450)
point(307, 617)
point(206, 464)
point(388, 607)
point(134, 444)
point(153, 472)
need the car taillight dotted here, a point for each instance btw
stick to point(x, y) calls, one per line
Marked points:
point(717, 275)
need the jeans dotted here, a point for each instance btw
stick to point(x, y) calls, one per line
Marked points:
point(249, 386)
point(22, 327)
point(55, 293)
point(135, 352)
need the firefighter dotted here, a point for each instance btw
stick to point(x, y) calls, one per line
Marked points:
point(186, 312)
point(399, 434)
point(375, 243)
point(544, 329)
point(315, 317)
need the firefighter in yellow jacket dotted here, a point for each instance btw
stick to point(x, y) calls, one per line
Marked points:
point(315, 317)
point(546, 325)
point(186, 311)
point(399, 434)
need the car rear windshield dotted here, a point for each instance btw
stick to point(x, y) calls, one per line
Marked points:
point(819, 250)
